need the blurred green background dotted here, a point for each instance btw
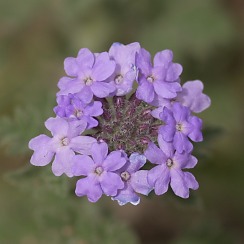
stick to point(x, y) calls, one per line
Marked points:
point(207, 38)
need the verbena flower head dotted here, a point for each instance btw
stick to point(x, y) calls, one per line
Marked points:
point(119, 114)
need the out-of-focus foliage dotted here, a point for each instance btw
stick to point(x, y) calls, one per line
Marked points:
point(36, 36)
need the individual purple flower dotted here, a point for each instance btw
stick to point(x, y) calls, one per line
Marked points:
point(99, 171)
point(72, 107)
point(169, 169)
point(179, 124)
point(135, 180)
point(89, 74)
point(125, 71)
point(192, 96)
point(62, 146)
point(162, 79)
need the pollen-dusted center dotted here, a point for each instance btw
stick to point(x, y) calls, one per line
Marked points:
point(169, 162)
point(78, 113)
point(125, 176)
point(65, 141)
point(179, 127)
point(98, 170)
point(150, 78)
point(88, 81)
point(127, 124)
point(118, 79)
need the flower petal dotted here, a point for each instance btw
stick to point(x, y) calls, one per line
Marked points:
point(82, 165)
point(178, 183)
point(102, 89)
point(139, 182)
point(99, 152)
point(111, 183)
point(182, 143)
point(94, 109)
point(103, 67)
point(154, 154)
point(191, 181)
point(145, 91)
point(88, 186)
point(163, 58)
point(82, 144)
point(114, 161)
point(42, 153)
point(85, 58)
point(57, 126)
point(70, 66)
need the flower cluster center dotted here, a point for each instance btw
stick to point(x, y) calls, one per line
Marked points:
point(127, 124)
point(125, 176)
point(169, 162)
point(65, 141)
point(118, 79)
point(88, 81)
point(98, 170)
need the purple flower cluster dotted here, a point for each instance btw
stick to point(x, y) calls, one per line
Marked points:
point(117, 115)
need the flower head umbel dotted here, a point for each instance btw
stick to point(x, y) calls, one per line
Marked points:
point(118, 115)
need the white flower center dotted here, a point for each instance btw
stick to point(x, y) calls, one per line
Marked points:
point(78, 113)
point(179, 127)
point(118, 79)
point(169, 162)
point(125, 176)
point(88, 81)
point(150, 79)
point(98, 170)
point(65, 141)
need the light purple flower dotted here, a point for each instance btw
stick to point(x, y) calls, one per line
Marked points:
point(135, 180)
point(89, 73)
point(125, 72)
point(193, 97)
point(179, 125)
point(72, 107)
point(169, 169)
point(162, 79)
point(100, 171)
point(62, 146)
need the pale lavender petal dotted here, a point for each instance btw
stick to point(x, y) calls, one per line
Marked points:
point(159, 73)
point(87, 186)
point(155, 173)
point(94, 109)
point(57, 126)
point(91, 122)
point(85, 58)
point(182, 143)
point(64, 82)
point(191, 162)
point(111, 183)
point(70, 66)
point(173, 72)
point(178, 183)
point(99, 152)
point(82, 144)
point(192, 96)
point(155, 113)
point(166, 89)
point(136, 161)
point(166, 147)
point(145, 91)
point(181, 113)
point(139, 182)
point(191, 181)
point(63, 162)
point(181, 159)
point(162, 181)
point(114, 161)
point(154, 154)
point(76, 127)
point(163, 58)
point(103, 67)
point(102, 89)
point(143, 62)
point(196, 134)
point(72, 87)
point(82, 165)
point(85, 94)
point(127, 195)
point(42, 153)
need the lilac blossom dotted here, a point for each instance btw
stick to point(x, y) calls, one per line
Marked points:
point(73, 108)
point(88, 72)
point(99, 171)
point(169, 169)
point(125, 71)
point(191, 96)
point(179, 124)
point(62, 146)
point(135, 180)
point(161, 80)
